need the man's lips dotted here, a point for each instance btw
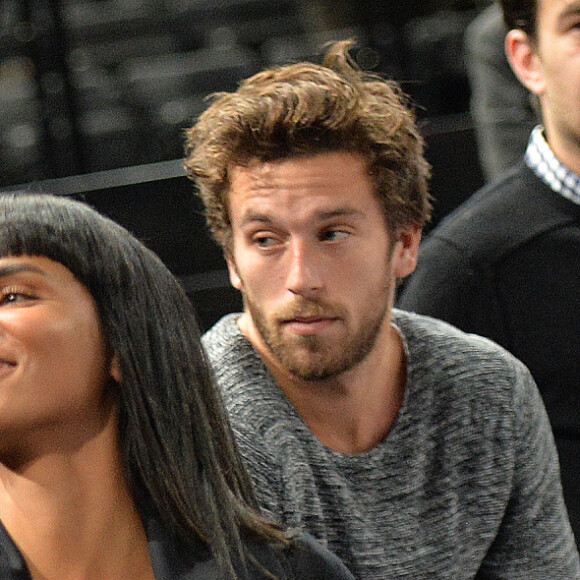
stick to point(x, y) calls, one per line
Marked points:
point(308, 325)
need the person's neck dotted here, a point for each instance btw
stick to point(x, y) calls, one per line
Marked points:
point(72, 516)
point(355, 411)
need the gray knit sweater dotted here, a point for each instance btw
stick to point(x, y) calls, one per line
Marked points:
point(465, 485)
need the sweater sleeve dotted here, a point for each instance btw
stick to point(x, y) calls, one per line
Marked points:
point(535, 540)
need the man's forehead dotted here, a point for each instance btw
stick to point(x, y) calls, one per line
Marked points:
point(308, 172)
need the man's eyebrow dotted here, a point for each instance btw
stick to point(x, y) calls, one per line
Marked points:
point(571, 10)
point(12, 269)
point(264, 217)
point(254, 216)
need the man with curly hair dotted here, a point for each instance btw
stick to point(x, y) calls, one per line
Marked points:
point(410, 449)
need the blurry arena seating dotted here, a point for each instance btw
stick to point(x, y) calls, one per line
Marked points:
point(248, 22)
point(20, 123)
point(92, 85)
point(168, 91)
point(95, 95)
point(435, 63)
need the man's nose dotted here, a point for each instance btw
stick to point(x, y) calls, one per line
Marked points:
point(305, 269)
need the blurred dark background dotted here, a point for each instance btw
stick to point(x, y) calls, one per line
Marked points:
point(90, 85)
point(95, 95)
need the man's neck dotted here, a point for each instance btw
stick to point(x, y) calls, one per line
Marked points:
point(353, 412)
point(566, 147)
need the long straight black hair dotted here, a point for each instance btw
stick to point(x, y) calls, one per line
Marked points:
point(180, 456)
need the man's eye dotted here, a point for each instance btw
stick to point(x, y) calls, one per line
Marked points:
point(334, 235)
point(265, 241)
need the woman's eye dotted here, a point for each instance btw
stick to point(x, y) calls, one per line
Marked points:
point(9, 298)
point(13, 297)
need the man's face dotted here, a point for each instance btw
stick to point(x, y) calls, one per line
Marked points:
point(314, 261)
point(556, 65)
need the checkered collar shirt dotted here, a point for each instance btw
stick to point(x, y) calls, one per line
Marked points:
point(542, 161)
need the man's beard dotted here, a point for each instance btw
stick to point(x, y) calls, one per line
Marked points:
point(312, 357)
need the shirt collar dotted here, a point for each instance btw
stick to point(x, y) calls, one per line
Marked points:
point(541, 160)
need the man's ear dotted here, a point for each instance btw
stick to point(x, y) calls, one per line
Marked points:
point(235, 279)
point(406, 250)
point(521, 52)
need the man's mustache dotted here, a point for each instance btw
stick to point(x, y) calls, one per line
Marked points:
point(309, 309)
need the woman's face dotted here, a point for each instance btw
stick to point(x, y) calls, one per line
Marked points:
point(54, 367)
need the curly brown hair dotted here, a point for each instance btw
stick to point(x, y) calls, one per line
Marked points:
point(307, 109)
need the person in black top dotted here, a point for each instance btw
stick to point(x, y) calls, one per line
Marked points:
point(506, 263)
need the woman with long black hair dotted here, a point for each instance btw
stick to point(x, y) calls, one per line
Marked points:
point(116, 457)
